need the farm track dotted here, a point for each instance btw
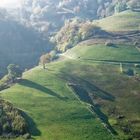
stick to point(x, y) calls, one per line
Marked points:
point(112, 61)
point(127, 38)
point(115, 62)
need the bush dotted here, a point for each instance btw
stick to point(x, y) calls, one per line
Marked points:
point(11, 120)
point(19, 125)
point(53, 55)
point(130, 72)
point(73, 32)
point(137, 65)
point(6, 127)
point(109, 43)
point(88, 29)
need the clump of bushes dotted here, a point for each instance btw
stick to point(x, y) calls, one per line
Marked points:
point(130, 72)
point(88, 30)
point(12, 123)
point(73, 32)
point(137, 65)
point(109, 43)
point(13, 75)
point(4, 83)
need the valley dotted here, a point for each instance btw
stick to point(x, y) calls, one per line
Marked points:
point(81, 91)
point(78, 81)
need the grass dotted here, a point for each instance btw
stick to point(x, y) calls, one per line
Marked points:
point(108, 78)
point(102, 52)
point(53, 107)
point(57, 114)
point(125, 21)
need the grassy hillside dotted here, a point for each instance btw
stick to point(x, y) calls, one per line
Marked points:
point(103, 52)
point(125, 21)
point(74, 97)
point(121, 27)
point(56, 112)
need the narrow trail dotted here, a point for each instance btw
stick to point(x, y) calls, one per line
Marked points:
point(115, 62)
point(66, 56)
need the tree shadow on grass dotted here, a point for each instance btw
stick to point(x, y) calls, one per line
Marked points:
point(103, 118)
point(84, 96)
point(88, 87)
point(32, 128)
point(31, 84)
point(98, 91)
point(83, 90)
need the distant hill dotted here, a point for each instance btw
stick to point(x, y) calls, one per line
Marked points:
point(49, 16)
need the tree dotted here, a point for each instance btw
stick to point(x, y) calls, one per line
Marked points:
point(53, 55)
point(45, 58)
point(14, 72)
point(120, 6)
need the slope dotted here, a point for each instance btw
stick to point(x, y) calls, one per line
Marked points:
point(105, 78)
point(124, 21)
point(70, 99)
point(121, 28)
point(57, 114)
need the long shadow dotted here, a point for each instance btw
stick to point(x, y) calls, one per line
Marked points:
point(83, 95)
point(31, 84)
point(98, 91)
point(32, 128)
point(103, 118)
point(82, 88)
point(88, 86)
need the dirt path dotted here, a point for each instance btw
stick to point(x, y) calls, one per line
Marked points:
point(127, 38)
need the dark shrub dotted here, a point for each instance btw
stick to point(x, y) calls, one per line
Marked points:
point(130, 72)
point(7, 127)
point(11, 121)
point(109, 43)
point(137, 65)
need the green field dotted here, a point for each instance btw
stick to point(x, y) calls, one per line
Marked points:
point(55, 111)
point(125, 21)
point(102, 52)
point(58, 111)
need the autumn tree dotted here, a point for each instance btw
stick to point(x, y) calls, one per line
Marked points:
point(45, 58)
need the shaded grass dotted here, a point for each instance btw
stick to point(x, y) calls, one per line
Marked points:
point(58, 115)
point(107, 77)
